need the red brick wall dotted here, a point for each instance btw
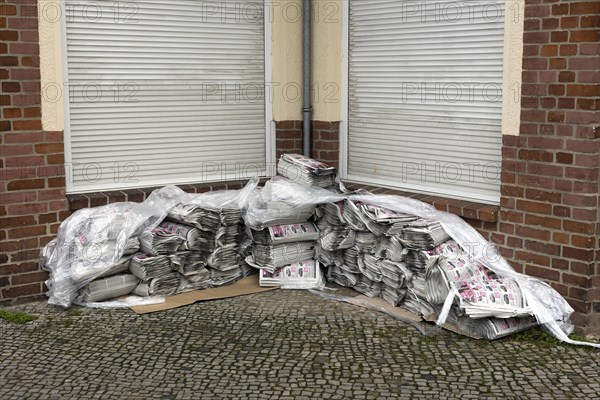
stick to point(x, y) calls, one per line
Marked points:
point(548, 220)
point(288, 136)
point(326, 142)
point(325, 138)
point(32, 184)
point(551, 172)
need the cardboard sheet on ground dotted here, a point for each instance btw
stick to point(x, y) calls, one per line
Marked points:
point(243, 287)
point(380, 305)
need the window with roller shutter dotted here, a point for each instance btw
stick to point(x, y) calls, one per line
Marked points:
point(164, 92)
point(425, 96)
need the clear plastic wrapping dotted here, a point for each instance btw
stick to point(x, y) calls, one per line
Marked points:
point(550, 309)
point(108, 288)
point(263, 212)
point(92, 240)
point(91, 243)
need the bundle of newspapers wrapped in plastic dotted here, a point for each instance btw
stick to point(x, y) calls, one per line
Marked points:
point(172, 243)
point(306, 171)
point(284, 243)
point(428, 262)
point(411, 262)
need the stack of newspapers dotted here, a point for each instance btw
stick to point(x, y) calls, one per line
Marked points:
point(303, 170)
point(411, 262)
point(415, 300)
point(299, 274)
point(148, 267)
point(160, 241)
point(189, 214)
point(220, 278)
point(196, 247)
point(114, 282)
point(284, 254)
point(156, 274)
point(381, 221)
point(174, 259)
point(194, 238)
point(216, 232)
point(107, 288)
point(188, 262)
point(481, 293)
point(421, 260)
point(281, 245)
point(359, 242)
point(424, 234)
point(219, 239)
point(491, 328)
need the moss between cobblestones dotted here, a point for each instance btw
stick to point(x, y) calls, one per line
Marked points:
point(17, 317)
point(284, 345)
point(74, 312)
point(542, 338)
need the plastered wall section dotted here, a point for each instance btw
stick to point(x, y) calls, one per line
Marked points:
point(50, 14)
point(513, 66)
point(286, 61)
point(327, 24)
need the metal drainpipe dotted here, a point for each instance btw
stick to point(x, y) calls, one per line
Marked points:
point(306, 106)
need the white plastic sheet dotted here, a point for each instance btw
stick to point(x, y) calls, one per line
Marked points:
point(92, 240)
point(550, 309)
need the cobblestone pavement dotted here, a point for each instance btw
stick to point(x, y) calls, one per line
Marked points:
point(281, 345)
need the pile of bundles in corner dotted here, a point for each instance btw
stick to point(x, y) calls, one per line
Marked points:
point(411, 262)
point(296, 231)
point(284, 238)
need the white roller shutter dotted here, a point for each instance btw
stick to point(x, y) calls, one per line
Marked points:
point(164, 92)
point(425, 96)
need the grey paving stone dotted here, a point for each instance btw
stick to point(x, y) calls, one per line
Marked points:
point(277, 345)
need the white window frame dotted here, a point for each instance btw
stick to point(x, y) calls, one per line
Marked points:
point(510, 110)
